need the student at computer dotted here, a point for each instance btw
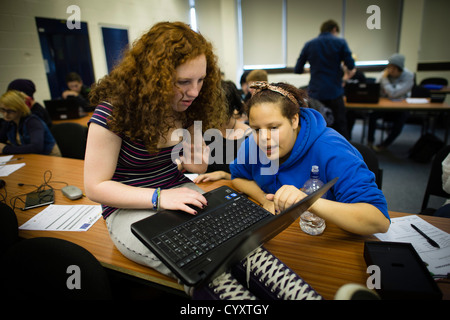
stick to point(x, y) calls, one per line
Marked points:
point(20, 130)
point(28, 87)
point(77, 90)
point(396, 83)
point(166, 81)
point(293, 138)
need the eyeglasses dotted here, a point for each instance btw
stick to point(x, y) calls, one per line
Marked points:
point(7, 111)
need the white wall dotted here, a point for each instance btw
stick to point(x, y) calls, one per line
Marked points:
point(423, 38)
point(217, 21)
point(20, 51)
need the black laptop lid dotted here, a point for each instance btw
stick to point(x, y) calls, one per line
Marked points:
point(63, 109)
point(362, 92)
point(271, 227)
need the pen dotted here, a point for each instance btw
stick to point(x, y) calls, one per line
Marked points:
point(430, 241)
point(14, 159)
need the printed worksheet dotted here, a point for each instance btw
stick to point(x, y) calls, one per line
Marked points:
point(64, 218)
point(437, 259)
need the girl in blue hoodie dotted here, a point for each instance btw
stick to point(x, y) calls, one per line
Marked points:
point(289, 138)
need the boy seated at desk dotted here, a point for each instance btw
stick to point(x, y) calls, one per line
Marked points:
point(77, 90)
point(396, 83)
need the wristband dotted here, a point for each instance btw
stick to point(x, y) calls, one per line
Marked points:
point(155, 198)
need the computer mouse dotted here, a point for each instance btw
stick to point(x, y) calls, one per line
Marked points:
point(72, 192)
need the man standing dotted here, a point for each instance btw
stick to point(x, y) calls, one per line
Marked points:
point(325, 55)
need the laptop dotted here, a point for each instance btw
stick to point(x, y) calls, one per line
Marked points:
point(362, 92)
point(64, 109)
point(199, 248)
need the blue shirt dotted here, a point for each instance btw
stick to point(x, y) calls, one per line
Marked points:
point(325, 55)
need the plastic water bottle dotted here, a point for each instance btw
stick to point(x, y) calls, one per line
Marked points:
point(309, 222)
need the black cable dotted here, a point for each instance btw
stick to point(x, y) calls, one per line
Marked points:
point(43, 187)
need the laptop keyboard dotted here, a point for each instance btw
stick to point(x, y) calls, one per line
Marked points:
point(194, 238)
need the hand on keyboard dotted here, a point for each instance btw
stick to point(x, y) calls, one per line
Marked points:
point(179, 198)
point(269, 205)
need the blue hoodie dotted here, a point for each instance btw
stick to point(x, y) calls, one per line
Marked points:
point(319, 145)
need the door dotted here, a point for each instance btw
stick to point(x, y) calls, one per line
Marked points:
point(115, 41)
point(64, 50)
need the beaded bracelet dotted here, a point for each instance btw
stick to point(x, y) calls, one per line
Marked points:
point(155, 198)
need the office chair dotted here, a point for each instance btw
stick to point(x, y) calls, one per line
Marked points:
point(371, 160)
point(432, 84)
point(53, 269)
point(71, 139)
point(437, 81)
point(422, 91)
point(434, 184)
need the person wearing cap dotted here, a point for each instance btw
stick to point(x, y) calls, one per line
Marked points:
point(396, 83)
point(27, 87)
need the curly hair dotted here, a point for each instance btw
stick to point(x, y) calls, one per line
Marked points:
point(288, 108)
point(141, 86)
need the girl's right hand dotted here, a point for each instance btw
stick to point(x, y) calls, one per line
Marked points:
point(179, 198)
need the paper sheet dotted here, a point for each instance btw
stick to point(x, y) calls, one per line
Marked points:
point(437, 259)
point(7, 169)
point(191, 176)
point(64, 218)
point(5, 159)
point(417, 100)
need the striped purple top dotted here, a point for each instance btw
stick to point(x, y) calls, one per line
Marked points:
point(136, 166)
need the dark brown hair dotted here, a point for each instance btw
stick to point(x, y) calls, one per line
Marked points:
point(288, 108)
point(329, 25)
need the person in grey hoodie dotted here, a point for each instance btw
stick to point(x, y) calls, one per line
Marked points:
point(396, 83)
